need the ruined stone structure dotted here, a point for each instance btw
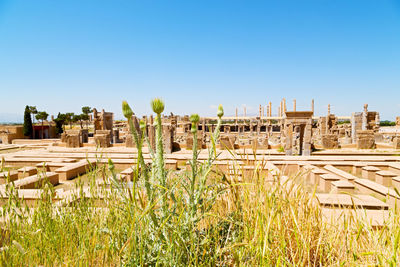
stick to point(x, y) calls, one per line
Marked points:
point(103, 121)
point(297, 132)
point(75, 138)
point(396, 142)
point(189, 141)
point(365, 139)
point(11, 132)
point(366, 120)
point(330, 141)
point(102, 140)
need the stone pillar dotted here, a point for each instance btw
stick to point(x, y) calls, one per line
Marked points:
point(115, 136)
point(377, 119)
point(364, 118)
point(288, 140)
point(356, 125)
point(294, 104)
point(307, 139)
point(236, 116)
point(329, 109)
point(312, 106)
point(270, 109)
point(280, 110)
point(168, 138)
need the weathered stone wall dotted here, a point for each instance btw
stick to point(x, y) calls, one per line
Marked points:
point(365, 139)
point(102, 140)
point(330, 141)
point(73, 140)
point(396, 142)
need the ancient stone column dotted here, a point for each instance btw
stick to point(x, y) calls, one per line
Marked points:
point(364, 118)
point(312, 105)
point(284, 105)
point(168, 138)
point(294, 104)
point(236, 116)
point(270, 109)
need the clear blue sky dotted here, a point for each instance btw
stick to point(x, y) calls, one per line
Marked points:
point(62, 55)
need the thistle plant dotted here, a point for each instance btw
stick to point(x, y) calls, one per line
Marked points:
point(128, 113)
point(158, 107)
point(194, 119)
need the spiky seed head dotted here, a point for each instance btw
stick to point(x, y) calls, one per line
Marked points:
point(126, 110)
point(157, 105)
point(220, 111)
point(194, 118)
point(142, 124)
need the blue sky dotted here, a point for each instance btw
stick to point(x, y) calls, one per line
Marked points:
point(62, 55)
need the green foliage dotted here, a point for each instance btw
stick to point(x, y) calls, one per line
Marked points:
point(281, 149)
point(60, 121)
point(33, 110)
point(27, 122)
point(387, 123)
point(343, 122)
point(42, 116)
point(87, 110)
point(69, 118)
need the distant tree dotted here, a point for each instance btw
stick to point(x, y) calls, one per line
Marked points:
point(60, 121)
point(69, 118)
point(33, 111)
point(387, 123)
point(77, 118)
point(42, 116)
point(85, 114)
point(27, 122)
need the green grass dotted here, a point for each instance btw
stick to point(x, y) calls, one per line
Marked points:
point(196, 217)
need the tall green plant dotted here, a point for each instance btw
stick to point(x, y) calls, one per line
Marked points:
point(27, 122)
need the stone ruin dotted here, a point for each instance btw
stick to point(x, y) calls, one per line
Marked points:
point(297, 132)
point(168, 133)
point(366, 124)
point(75, 138)
point(365, 139)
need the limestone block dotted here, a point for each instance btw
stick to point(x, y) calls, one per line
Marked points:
point(102, 140)
point(189, 141)
point(129, 141)
point(64, 137)
point(73, 140)
point(396, 142)
point(330, 141)
point(365, 139)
